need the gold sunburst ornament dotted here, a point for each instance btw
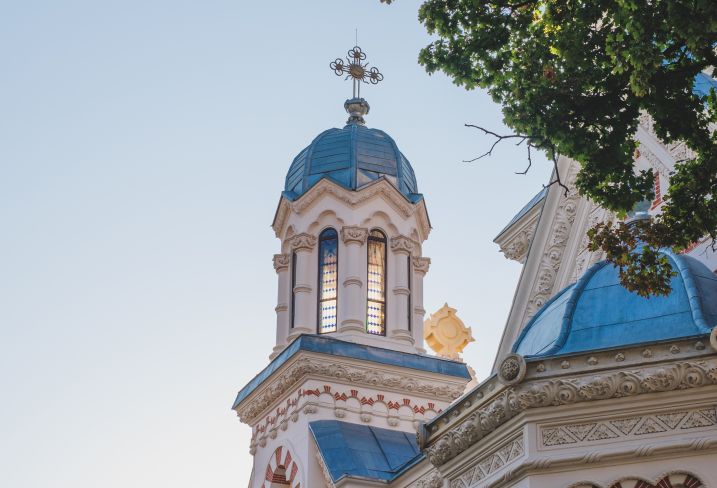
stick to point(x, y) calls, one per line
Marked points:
point(446, 334)
point(355, 68)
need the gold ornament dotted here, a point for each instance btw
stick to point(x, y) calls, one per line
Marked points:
point(446, 334)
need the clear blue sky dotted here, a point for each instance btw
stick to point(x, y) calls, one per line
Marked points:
point(143, 148)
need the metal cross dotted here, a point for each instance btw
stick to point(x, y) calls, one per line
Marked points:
point(356, 69)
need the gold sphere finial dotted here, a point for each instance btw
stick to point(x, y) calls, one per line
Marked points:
point(446, 334)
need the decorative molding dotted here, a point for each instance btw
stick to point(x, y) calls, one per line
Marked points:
point(432, 479)
point(381, 187)
point(281, 262)
point(516, 248)
point(512, 369)
point(625, 427)
point(351, 234)
point(511, 401)
point(421, 264)
point(490, 464)
point(553, 255)
point(302, 242)
point(308, 401)
point(291, 476)
point(324, 469)
point(285, 381)
point(402, 244)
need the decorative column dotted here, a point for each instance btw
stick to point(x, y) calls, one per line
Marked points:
point(304, 300)
point(400, 315)
point(281, 266)
point(352, 300)
point(420, 268)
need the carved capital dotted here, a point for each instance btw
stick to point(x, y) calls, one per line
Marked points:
point(281, 262)
point(353, 234)
point(402, 244)
point(421, 264)
point(302, 242)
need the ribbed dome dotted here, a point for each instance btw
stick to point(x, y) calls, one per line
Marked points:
point(352, 157)
point(597, 312)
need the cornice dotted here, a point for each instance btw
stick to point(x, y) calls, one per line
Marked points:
point(514, 242)
point(353, 198)
point(308, 365)
point(492, 404)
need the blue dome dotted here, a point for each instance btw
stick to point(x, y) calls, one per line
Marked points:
point(352, 157)
point(597, 312)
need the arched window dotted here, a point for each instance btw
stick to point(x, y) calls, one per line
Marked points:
point(376, 303)
point(328, 279)
point(409, 275)
point(293, 285)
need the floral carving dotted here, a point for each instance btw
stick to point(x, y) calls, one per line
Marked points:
point(515, 399)
point(552, 257)
point(421, 264)
point(353, 234)
point(403, 244)
point(512, 369)
point(302, 242)
point(281, 262)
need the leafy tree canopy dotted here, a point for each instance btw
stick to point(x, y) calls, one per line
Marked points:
point(573, 76)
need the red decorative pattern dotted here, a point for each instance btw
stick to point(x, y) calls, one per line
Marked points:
point(281, 463)
point(658, 194)
point(273, 418)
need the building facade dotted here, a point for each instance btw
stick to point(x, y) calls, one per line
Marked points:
point(592, 387)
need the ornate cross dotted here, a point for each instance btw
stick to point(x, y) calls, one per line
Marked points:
point(356, 69)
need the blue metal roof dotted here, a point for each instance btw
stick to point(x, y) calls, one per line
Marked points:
point(597, 312)
point(352, 157)
point(335, 347)
point(703, 84)
point(363, 451)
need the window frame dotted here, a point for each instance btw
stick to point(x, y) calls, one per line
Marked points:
point(319, 300)
point(384, 241)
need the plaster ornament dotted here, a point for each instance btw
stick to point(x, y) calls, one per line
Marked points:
point(353, 234)
point(713, 339)
point(402, 244)
point(446, 334)
point(303, 242)
point(281, 262)
point(421, 264)
point(512, 369)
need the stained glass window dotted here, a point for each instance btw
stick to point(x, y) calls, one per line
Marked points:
point(376, 304)
point(293, 284)
point(410, 289)
point(328, 280)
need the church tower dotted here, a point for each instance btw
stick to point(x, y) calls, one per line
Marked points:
point(348, 383)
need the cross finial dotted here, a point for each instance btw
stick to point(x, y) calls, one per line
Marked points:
point(355, 68)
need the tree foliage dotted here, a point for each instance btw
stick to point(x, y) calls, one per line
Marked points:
point(576, 75)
